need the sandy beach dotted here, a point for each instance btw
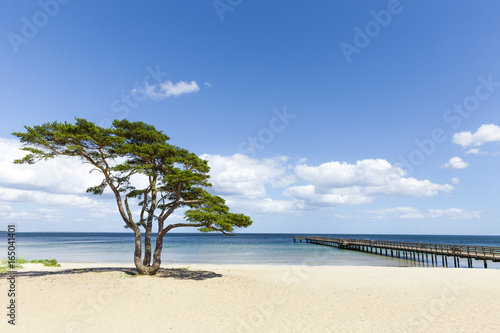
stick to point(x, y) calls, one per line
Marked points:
point(253, 298)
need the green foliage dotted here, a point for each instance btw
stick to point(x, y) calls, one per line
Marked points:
point(46, 262)
point(4, 264)
point(214, 215)
point(177, 177)
point(21, 260)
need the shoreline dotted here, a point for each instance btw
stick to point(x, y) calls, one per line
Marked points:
point(80, 265)
point(254, 298)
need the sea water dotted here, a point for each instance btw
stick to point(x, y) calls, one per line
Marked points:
point(200, 248)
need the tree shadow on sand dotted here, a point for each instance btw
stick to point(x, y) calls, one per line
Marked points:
point(174, 273)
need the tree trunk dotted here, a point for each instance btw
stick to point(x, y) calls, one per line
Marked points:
point(157, 254)
point(155, 266)
point(149, 226)
point(147, 247)
point(141, 268)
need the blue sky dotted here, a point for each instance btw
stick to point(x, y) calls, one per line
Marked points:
point(320, 117)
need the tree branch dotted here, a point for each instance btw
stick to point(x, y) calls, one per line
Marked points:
point(217, 229)
point(178, 225)
point(189, 201)
point(144, 203)
point(128, 210)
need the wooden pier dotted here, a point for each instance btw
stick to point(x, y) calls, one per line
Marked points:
point(412, 251)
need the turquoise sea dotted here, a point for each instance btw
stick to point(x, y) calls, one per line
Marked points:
point(198, 248)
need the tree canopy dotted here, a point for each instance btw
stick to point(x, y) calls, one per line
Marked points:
point(174, 177)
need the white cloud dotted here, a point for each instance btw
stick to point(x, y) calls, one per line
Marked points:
point(243, 181)
point(455, 180)
point(414, 213)
point(240, 175)
point(340, 174)
point(5, 208)
point(167, 89)
point(485, 133)
point(312, 196)
point(15, 216)
point(82, 202)
point(39, 214)
point(336, 183)
point(454, 213)
point(259, 186)
point(410, 187)
point(393, 211)
point(49, 213)
point(264, 206)
point(59, 175)
point(208, 84)
point(475, 151)
point(57, 182)
point(347, 217)
point(455, 163)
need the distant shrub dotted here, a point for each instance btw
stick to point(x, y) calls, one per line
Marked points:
point(4, 264)
point(46, 262)
point(21, 260)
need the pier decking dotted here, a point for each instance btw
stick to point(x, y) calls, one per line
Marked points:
point(411, 250)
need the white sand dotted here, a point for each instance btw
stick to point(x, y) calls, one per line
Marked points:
point(257, 298)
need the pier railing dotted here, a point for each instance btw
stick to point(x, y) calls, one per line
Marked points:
point(412, 250)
